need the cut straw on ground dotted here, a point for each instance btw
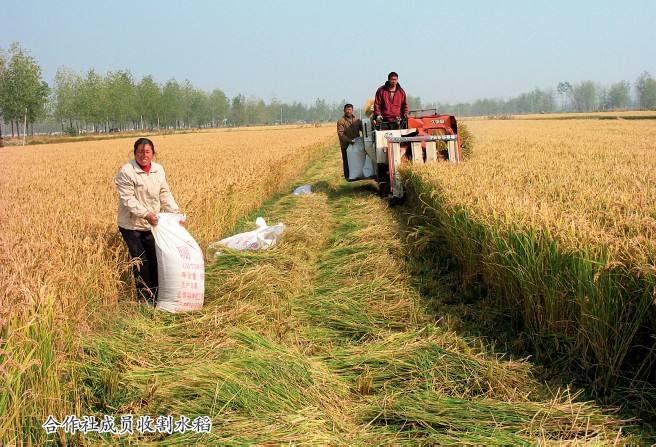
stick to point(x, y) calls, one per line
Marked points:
point(323, 340)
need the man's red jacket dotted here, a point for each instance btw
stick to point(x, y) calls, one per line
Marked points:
point(390, 108)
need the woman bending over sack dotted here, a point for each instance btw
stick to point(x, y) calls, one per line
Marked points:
point(142, 193)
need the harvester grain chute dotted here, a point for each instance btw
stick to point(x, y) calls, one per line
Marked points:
point(425, 137)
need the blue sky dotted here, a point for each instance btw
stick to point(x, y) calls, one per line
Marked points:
point(443, 51)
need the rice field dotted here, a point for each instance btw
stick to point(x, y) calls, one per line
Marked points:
point(557, 220)
point(323, 340)
point(59, 203)
point(63, 264)
point(608, 115)
point(326, 339)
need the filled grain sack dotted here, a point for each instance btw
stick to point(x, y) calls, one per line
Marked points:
point(180, 266)
point(355, 156)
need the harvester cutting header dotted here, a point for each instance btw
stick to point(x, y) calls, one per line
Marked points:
point(392, 135)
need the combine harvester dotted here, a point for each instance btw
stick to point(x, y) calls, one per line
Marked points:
point(425, 137)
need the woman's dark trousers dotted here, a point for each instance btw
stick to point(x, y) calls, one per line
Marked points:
point(141, 244)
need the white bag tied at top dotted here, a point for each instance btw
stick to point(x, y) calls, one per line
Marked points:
point(263, 237)
point(180, 266)
point(355, 156)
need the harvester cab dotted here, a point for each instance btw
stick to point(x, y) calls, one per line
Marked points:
point(425, 137)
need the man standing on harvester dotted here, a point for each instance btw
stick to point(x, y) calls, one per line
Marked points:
point(390, 104)
point(348, 128)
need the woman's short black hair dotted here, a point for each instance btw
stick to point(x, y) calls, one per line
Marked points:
point(392, 74)
point(143, 142)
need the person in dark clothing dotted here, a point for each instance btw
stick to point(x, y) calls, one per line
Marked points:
point(348, 128)
point(390, 103)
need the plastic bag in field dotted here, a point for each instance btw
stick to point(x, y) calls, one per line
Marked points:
point(303, 190)
point(355, 156)
point(180, 266)
point(263, 237)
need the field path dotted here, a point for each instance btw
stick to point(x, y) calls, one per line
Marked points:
point(322, 340)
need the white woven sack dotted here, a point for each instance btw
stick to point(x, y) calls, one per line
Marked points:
point(355, 156)
point(180, 266)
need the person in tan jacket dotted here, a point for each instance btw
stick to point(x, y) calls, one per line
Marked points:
point(348, 128)
point(142, 193)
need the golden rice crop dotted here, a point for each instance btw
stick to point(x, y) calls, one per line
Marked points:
point(609, 115)
point(617, 114)
point(59, 202)
point(587, 182)
point(559, 219)
point(317, 341)
point(62, 259)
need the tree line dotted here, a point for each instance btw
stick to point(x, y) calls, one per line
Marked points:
point(585, 96)
point(93, 102)
point(117, 101)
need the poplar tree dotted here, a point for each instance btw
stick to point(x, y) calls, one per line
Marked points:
point(64, 97)
point(23, 93)
point(3, 63)
point(646, 89)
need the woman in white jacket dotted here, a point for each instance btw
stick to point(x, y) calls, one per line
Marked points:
point(142, 193)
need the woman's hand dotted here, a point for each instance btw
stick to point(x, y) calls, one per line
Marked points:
point(152, 218)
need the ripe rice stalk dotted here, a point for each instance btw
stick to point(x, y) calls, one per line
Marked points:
point(60, 239)
point(430, 417)
point(430, 358)
point(555, 219)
